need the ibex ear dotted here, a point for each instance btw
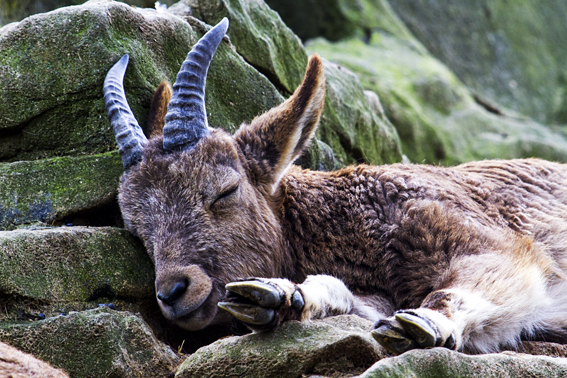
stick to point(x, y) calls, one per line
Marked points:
point(158, 109)
point(276, 138)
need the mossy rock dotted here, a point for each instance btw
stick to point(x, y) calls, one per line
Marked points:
point(353, 121)
point(336, 19)
point(441, 362)
point(339, 346)
point(54, 64)
point(16, 10)
point(95, 343)
point(50, 190)
point(52, 267)
point(507, 53)
point(436, 116)
point(260, 37)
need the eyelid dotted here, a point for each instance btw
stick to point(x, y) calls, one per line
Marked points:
point(227, 192)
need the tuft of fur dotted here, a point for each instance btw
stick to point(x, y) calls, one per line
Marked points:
point(158, 109)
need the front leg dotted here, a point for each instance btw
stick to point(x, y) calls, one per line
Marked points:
point(263, 303)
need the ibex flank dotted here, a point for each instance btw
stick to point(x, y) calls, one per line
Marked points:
point(471, 258)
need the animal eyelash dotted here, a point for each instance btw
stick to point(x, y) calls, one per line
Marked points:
point(227, 193)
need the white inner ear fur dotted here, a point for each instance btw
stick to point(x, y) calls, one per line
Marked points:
point(312, 111)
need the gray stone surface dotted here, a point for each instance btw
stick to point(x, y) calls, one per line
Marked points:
point(50, 190)
point(441, 362)
point(95, 343)
point(45, 270)
point(338, 347)
point(52, 66)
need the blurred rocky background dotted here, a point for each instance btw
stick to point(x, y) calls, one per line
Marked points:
point(418, 81)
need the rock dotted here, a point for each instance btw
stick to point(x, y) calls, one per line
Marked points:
point(353, 122)
point(350, 126)
point(334, 19)
point(52, 190)
point(441, 362)
point(507, 55)
point(63, 268)
point(495, 49)
point(340, 346)
point(436, 116)
point(14, 363)
point(53, 95)
point(95, 343)
point(11, 11)
point(260, 37)
point(542, 348)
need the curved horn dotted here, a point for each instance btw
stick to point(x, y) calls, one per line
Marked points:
point(186, 118)
point(128, 133)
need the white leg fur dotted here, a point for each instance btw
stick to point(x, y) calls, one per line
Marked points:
point(328, 296)
point(494, 308)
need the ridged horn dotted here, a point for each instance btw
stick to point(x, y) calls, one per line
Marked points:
point(128, 133)
point(186, 119)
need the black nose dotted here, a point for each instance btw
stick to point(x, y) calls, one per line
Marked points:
point(177, 291)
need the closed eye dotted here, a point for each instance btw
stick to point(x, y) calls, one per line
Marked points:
point(227, 193)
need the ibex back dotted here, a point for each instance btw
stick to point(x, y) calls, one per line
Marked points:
point(472, 257)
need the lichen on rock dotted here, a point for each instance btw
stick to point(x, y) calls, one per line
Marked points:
point(442, 362)
point(63, 265)
point(339, 346)
point(436, 116)
point(50, 190)
point(53, 96)
point(94, 343)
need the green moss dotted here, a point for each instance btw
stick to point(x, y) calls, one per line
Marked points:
point(509, 55)
point(94, 343)
point(441, 362)
point(228, 102)
point(436, 116)
point(73, 265)
point(260, 37)
point(352, 123)
point(292, 350)
point(51, 189)
point(54, 103)
point(339, 19)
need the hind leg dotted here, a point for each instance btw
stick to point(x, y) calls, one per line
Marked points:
point(488, 301)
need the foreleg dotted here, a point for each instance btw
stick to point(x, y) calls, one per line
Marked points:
point(263, 303)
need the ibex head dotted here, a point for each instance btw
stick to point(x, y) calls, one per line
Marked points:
point(207, 204)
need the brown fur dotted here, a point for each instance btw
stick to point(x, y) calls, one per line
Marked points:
point(158, 109)
point(16, 364)
point(399, 236)
point(410, 222)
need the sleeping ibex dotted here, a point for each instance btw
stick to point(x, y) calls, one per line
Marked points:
point(472, 257)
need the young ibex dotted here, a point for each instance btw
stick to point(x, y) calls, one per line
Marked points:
point(472, 257)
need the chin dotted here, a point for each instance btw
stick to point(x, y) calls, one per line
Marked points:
point(204, 315)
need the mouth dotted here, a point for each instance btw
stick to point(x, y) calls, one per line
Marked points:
point(198, 316)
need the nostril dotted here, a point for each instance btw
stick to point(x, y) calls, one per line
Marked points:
point(177, 291)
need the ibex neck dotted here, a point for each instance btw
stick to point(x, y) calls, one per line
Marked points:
point(323, 220)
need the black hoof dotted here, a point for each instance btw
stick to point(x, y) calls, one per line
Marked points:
point(258, 292)
point(250, 314)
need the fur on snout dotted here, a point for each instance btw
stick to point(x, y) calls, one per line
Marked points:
point(186, 309)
